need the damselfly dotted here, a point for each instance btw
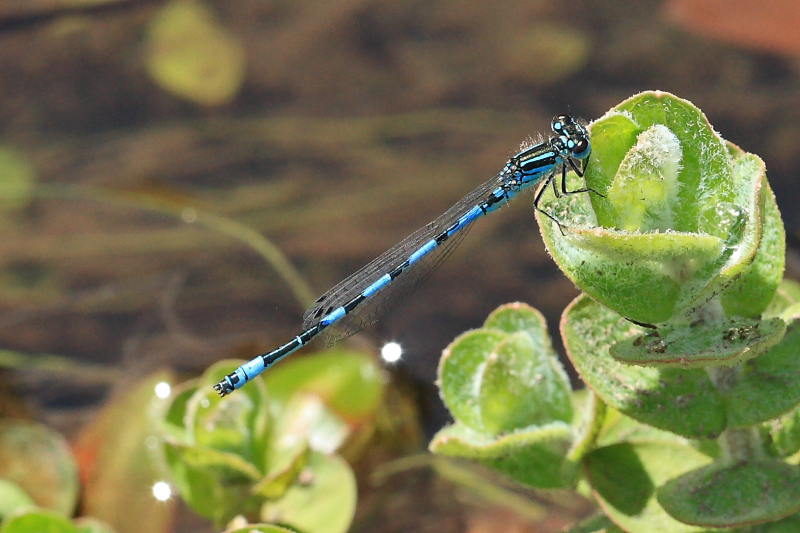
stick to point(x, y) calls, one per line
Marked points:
point(365, 296)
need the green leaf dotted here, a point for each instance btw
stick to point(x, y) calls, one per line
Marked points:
point(287, 459)
point(677, 220)
point(214, 484)
point(783, 433)
point(40, 462)
point(17, 179)
point(120, 460)
point(12, 498)
point(460, 369)
point(505, 376)
point(521, 388)
point(262, 528)
point(625, 476)
point(533, 455)
point(704, 174)
point(787, 295)
point(349, 383)
point(790, 524)
point(38, 521)
point(192, 56)
point(598, 523)
point(173, 420)
point(721, 495)
point(323, 500)
point(767, 386)
point(92, 525)
point(306, 418)
point(226, 466)
point(681, 401)
point(238, 424)
point(701, 344)
point(754, 289)
point(585, 428)
point(619, 428)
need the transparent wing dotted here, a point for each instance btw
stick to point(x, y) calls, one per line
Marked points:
point(377, 305)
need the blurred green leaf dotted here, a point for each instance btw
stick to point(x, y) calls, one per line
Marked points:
point(92, 525)
point(599, 523)
point(118, 455)
point(213, 484)
point(239, 423)
point(192, 56)
point(783, 433)
point(323, 501)
point(17, 179)
point(306, 418)
point(287, 458)
point(12, 498)
point(787, 295)
point(262, 528)
point(40, 462)
point(38, 521)
point(520, 388)
point(350, 383)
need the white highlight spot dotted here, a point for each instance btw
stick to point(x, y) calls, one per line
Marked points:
point(163, 389)
point(162, 491)
point(391, 352)
point(189, 214)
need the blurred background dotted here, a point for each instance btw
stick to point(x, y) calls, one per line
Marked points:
point(180, 178)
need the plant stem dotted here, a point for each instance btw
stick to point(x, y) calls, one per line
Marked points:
point(736, 445)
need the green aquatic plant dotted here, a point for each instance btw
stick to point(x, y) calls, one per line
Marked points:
point(39, 484)
point(271, 454)
point(685, 336)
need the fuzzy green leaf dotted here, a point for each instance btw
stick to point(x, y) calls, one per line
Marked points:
point(532, 455)
point(677, 219)
point(505, 376)
point(720, 495)
point(753, 290)
point(701, 344)
point(682, 401)
point(624, 478)
point(460, 369)
point(520, 388)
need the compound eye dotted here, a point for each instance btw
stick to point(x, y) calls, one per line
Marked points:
point(580, 150)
